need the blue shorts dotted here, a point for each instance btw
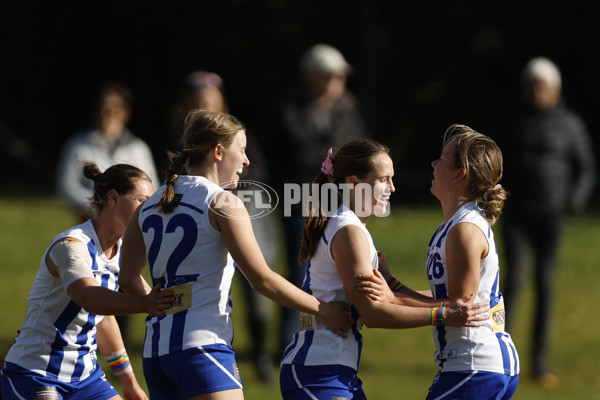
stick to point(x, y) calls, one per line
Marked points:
point(19, 383)
point(336, 382)
point(192, 372)
point(476, 385)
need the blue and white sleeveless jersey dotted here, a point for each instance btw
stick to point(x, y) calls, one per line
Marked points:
point(486, 348)
point(184, 249)
point(58, 338)
point(317, 345)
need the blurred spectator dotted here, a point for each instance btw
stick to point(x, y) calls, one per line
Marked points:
point(205, 90)
point(549, 173)
point(201, 89)
point(109, 142)
point(316, 111)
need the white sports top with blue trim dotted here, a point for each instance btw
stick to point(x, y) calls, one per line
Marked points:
point(315, 344)
point(486, 348)
point(187, 254)
point(58, 338)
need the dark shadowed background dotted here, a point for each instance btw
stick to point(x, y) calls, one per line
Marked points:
point(420, 66)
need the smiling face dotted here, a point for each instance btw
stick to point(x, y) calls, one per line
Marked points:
point(233, 162)
point(379, 185)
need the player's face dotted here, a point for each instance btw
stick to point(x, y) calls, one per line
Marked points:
point(382, 186)
point(233, 162)
point(129, 202)
point(444, 171)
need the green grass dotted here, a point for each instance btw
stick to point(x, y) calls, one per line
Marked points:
point(395, 364)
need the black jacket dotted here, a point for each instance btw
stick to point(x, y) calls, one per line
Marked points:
point(548, 161)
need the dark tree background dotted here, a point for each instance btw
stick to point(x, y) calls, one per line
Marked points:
point(420, 66)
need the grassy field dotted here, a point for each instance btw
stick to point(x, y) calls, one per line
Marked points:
point(395, 364)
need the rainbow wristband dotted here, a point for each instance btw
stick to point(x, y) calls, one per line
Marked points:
point(436, 316)
point(394, 284)
point(119, 362)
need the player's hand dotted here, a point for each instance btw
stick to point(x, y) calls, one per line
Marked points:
point(157, 301)
point(131, 387)
point(336, 316)
point(375, 287)
point(134, 393)
point(460, 313)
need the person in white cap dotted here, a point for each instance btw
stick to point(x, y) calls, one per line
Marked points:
point(325, 73)
point(316, 110)
point(549, 173)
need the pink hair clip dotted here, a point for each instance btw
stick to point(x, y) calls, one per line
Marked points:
point(327, 166)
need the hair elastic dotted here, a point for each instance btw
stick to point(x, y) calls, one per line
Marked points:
point(489, 191)
point(327, 166)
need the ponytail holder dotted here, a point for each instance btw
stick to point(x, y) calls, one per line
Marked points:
point(327, 166)
point(170, 182)
point(489, 191)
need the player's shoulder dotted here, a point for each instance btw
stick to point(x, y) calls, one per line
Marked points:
point(227, 203)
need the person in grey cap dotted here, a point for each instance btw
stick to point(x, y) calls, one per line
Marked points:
point(316, 110)
point(549, 174)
